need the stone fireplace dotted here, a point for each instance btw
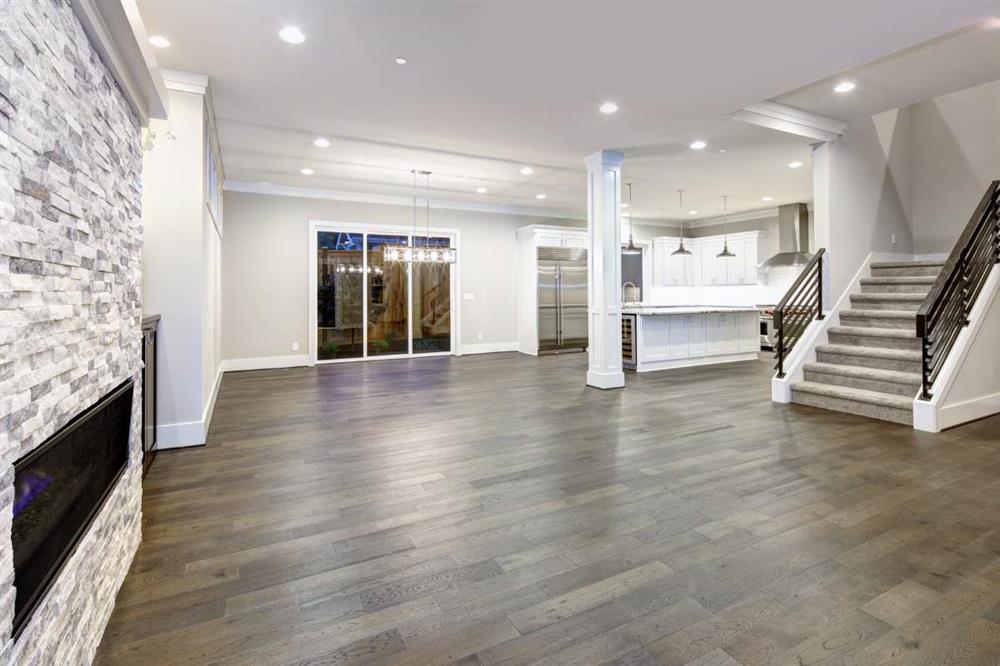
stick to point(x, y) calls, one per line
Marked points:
point(70, 302)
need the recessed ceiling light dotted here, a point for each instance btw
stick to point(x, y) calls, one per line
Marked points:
point(722, 150)
point(992, 23)
point(692, 212)
point(307, 172)
point(539, 196)
point(527, 171)
point(794, 165)
point(400, 61)
point(292, 35)
point(767, 199)
point(609, 107)
point(320, 142)
point(697, 145)
point(481, 190)
point(159, 42)
point(844, 87)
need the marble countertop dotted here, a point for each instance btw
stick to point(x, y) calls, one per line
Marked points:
point(684, 309)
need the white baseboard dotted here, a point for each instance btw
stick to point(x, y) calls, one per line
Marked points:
point(265, 362)
point(190, 433)
point(969, 410)
point(180, 435)
point(488, 348)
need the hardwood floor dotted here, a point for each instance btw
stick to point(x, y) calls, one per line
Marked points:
point(492, 510)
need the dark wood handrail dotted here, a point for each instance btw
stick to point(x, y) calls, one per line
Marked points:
point(949, 302)
point(802, 302)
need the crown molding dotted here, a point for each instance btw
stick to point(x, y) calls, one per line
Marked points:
point(745, 216)
point(790, 120)
point(191, 82)
point(391, 200)
point(116, 31)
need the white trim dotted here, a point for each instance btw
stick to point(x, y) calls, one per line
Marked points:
point(391, 200)
point(117, 34)
point(670, 364)
point(790, 120)
point(180, 435)
point(487, 348)
point(190, 433)
point(265, 362)
point(192, 82)
point(934, 416)
point(605, 380)
point(745, 216)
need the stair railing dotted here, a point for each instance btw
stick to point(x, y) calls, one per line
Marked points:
point(801, 304)
point(949, 303)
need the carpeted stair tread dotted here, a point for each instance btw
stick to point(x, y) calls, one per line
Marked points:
point(910, 279)
point(857, 395)
point(908, 264)
point(890, 296)
point(901, 333)
point(881, 314)
point(894, 376)
point(878, 352)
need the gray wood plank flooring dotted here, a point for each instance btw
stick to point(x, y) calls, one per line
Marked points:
point(493, 510)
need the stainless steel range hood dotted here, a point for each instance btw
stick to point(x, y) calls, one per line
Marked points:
point(793, 237)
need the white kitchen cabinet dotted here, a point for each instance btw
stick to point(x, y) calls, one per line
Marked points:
point(678, 347)
point(703, 266)
point(574, 240)
point(666, 338)
point(697, 341)
point(543, 239)
point(749, 331)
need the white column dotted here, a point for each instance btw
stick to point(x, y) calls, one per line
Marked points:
point(822, 214)
point(604, 170)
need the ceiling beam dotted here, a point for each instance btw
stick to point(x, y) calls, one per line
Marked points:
point(790, 120)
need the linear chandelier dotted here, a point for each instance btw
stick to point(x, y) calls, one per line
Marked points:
point(421, 255)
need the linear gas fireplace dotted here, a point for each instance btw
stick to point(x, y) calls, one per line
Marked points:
point(58, 490)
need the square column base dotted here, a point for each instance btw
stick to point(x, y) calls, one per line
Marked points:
point(609, 380)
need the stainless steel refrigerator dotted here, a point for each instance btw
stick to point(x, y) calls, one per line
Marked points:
point(562, 299)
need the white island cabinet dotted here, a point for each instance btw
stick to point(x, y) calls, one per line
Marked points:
point(660, 338)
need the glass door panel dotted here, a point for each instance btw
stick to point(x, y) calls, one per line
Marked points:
point(431, 301)
point(339, 295)
point(388, 299)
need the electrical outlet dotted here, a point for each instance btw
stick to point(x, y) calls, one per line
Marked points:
point(479, 336)
point(295, 346)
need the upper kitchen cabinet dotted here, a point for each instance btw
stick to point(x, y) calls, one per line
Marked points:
point(703, 267)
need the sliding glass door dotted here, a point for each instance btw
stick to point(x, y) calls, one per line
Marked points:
point(366, 306)
point(431, 302)
point(339, 296)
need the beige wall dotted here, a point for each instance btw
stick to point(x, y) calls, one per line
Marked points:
point(955, 154)
point(265, 277)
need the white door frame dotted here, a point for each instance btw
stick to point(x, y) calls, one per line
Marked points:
point(315, 226)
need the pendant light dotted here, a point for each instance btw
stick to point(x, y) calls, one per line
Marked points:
point(425, 254)
point(630, 248)
point(681, 250)
point(725, 231)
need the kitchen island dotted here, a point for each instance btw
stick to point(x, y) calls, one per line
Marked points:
point(664, 337)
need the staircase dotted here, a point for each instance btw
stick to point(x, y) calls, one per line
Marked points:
point(872, 364)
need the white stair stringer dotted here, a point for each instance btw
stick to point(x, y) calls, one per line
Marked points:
point(968, 386)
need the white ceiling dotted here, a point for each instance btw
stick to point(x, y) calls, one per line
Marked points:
point(493, 86)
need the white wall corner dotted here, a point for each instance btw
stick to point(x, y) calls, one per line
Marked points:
point(191, 82)
point(790, 120)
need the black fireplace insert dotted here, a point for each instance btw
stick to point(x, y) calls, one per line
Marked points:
point(58, 490)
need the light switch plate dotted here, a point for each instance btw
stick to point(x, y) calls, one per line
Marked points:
point(469, 296)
